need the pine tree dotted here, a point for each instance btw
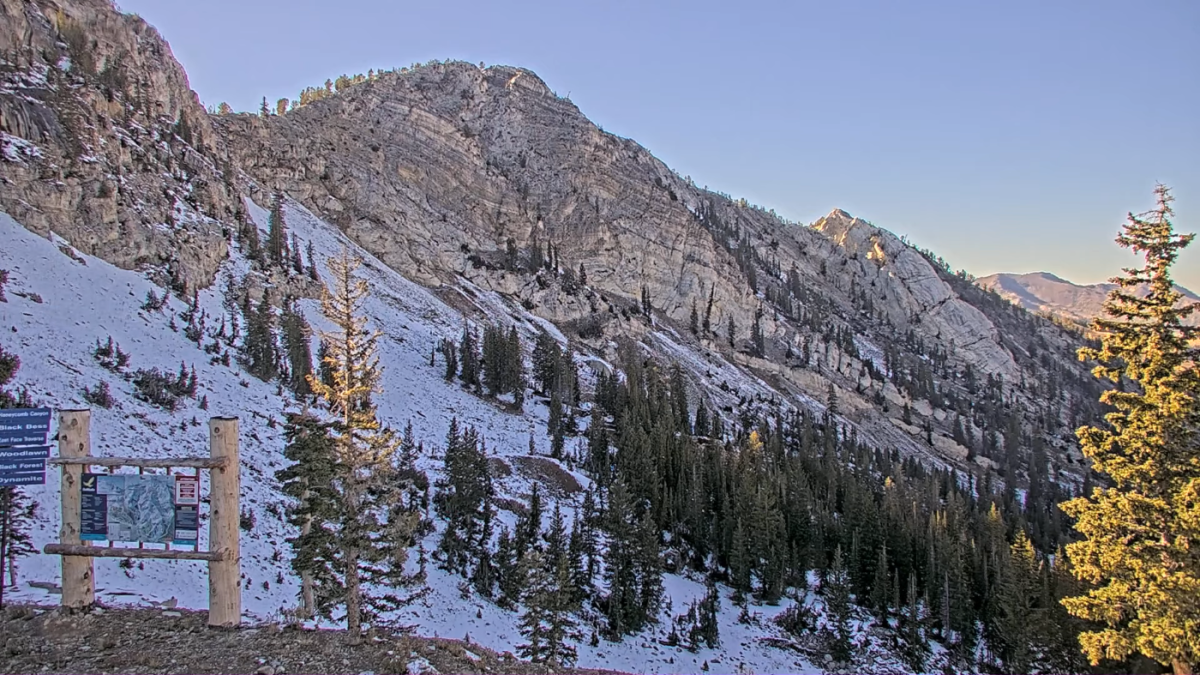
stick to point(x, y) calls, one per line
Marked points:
point(259, 354)
point(468, 358)
point(16, 510)
point(880, 592)
point(310, 481)
point(297, 259)
point(277, 233)
point(464, 499)
point(694, 320)
point(376, 527)
point(1015, 624)
point(1135, 548)
point(757, 341)
point(312, 263)
point(547, 623)
point(17, 513)
point(509, 575)
point(836, 590)
point(297, 337)
point(708, 310)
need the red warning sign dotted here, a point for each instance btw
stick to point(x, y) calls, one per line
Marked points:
point(187, 491)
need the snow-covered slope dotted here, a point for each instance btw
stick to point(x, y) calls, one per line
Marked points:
point(60, 302)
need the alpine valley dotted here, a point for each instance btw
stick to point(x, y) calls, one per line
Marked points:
point(762, 446)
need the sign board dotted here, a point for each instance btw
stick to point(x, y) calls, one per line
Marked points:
point(187, 511)
point(140, 508)
point(24, 426)
point(10, 454)
point(18, 479)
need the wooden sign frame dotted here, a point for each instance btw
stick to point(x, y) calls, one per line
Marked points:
point(223, 556)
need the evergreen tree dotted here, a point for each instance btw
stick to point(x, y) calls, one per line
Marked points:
point(633, 570)
point(312, 263)
point(547, 623)
point(880, 592)
point(464, 498)
point(694, 320)
point(277, 253)
point(493, 360)
point(509, 574)
point(310, 481)
point(259, 353)
point(450, 353)
point(1019, 589)
point(708, 310)
point(17, 511)
point(757, 341)
point(297, 337)
point(297, 260)
point(468, 358)
point(836, 590)
point(1135, 549)
point(555, 425)
point(376, 526)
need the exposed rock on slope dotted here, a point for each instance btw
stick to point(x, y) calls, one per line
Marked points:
point(103, 141)
point(918, 295)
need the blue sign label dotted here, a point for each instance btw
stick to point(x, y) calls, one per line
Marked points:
point(15, 479)
point(23, 466)
point(93, 522)
point(24, 425)
point(10, 454)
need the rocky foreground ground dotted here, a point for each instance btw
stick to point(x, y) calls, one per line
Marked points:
point(44, 640)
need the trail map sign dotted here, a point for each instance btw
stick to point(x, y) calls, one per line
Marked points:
point(19, 429)
point(142, 508)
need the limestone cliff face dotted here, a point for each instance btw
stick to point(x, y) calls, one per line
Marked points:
point(917, 294)
point(429, 167)
point(103, 141)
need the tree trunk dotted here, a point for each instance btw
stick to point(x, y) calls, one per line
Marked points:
point(306, 578)
point(353, 596)
point(1181, 667)
point(351, 548)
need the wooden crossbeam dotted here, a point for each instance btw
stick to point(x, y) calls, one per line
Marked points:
point(114, 552)
point(145, 463)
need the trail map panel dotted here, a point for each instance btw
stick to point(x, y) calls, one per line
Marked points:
point(128, 508)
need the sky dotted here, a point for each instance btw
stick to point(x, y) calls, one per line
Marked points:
point(1006, 136)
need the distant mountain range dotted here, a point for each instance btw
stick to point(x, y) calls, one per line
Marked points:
point(1045, 292)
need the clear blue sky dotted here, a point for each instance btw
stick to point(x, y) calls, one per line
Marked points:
point(1007, 136)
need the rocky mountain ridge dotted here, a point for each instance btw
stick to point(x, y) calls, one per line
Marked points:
point(1046, 292)
point(454, 174)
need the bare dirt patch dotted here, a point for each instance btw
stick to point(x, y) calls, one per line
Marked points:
point(38, 639)
point(548, 473)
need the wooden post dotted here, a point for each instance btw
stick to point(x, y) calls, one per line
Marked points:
point(74, 440)
point(224, 576)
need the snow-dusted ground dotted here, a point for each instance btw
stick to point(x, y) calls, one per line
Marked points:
point(59, 305)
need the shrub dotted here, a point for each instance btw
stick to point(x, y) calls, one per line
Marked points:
point(99, 395)
point(163, 389)
point(154, 303)
point(110, 356)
